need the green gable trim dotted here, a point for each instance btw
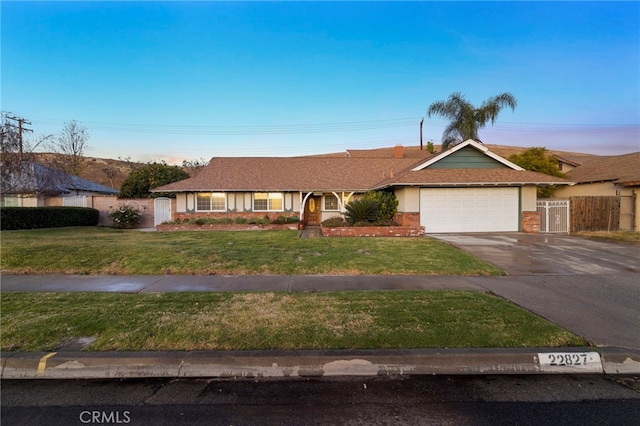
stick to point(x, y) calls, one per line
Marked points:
point(467, 158)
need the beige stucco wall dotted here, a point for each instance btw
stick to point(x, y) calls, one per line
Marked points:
point(629, 213)
point(529, 198)
point(408, 199)
point(586, 189)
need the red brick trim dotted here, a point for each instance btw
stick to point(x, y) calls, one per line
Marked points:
point(220, 227)
point(531, 222)
point(373, 231)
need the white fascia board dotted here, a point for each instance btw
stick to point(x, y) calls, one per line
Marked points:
point(448, 184)
point(464, 144)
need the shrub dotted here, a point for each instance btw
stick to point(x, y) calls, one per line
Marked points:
point(388, 205)
point(200, 221)
point(362, 210)
point(240, 220)
point(125, 217)
point(258, 221)
point(336, 221)
point(281, 220)
point(47, 217)
point(152, 175)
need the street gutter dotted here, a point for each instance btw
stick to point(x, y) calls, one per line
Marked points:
point(305, 364)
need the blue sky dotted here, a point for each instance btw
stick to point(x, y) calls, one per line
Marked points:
point(187, 80)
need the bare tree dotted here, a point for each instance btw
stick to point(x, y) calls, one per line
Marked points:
point(16, 156)
point(110, 173)
point(193, 167)
point(71, 145)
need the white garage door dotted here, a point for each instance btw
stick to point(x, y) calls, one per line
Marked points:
point(469, 209)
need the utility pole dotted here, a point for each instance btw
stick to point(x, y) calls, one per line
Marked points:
point(421, 121)
point(21, 129)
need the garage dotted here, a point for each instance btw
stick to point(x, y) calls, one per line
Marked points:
point(483, 209)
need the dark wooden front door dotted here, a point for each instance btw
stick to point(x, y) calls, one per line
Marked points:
point(312, 210)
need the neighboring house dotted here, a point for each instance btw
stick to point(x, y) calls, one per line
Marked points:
point(37, 185)
point(617, 175)
point(464, 189)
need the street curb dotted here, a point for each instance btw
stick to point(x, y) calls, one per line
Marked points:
point(300, 364)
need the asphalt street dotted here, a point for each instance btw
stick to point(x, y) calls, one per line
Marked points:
point(418, 400)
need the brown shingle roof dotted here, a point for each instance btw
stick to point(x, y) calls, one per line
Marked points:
point(338, 174)
point(291, 174)
point(621, 169)
point(437, 177)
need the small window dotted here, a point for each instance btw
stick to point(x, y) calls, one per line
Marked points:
point(208, 201)
point(330, 202)
point(268, 201)
point(10, 201)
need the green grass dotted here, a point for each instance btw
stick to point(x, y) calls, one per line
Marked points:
point(228, 321)
point(622, 236)
point(109, 251)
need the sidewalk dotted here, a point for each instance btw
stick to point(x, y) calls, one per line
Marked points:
point(167, 283)
point(296, 364)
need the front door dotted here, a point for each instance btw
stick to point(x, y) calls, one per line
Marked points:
point(312, 210)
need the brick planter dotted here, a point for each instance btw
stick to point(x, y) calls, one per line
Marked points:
point(220, 227)
point(373, 231)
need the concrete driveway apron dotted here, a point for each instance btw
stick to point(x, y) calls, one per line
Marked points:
point(589, 287)
point(548, 254)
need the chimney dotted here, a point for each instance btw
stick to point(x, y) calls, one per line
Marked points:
point(398, 151)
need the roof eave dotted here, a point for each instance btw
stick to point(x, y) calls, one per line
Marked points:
point(431, 184)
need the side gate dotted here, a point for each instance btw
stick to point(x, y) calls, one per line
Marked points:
point(76, 201)
point(161, 210)
point(554, 216)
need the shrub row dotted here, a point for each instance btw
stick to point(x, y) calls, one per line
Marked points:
point(340, 222)
point(46, 217)
point(280, 220)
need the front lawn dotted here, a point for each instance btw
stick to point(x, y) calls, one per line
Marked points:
point(622, 236)
point(96, 250)
point(268, 320)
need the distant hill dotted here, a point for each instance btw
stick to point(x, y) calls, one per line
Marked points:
point(414, 151)
point(104, 171)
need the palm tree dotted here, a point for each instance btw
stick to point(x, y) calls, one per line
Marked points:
point(467, 119)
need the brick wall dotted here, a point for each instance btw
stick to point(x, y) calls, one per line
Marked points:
point(231, 227)
point(373, 231)
point(407, 219)
point(531, 222)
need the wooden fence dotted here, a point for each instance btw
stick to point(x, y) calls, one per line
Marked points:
point(595, 213)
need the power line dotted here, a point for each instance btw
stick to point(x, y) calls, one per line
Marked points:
point(19, 128)
point(329, 127)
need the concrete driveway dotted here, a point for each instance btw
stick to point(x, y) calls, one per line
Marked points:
point(589, 287)
point(548, 254)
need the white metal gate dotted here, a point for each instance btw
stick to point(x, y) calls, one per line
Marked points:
point(554, 215)
point(161, 210)
point(77, 201)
